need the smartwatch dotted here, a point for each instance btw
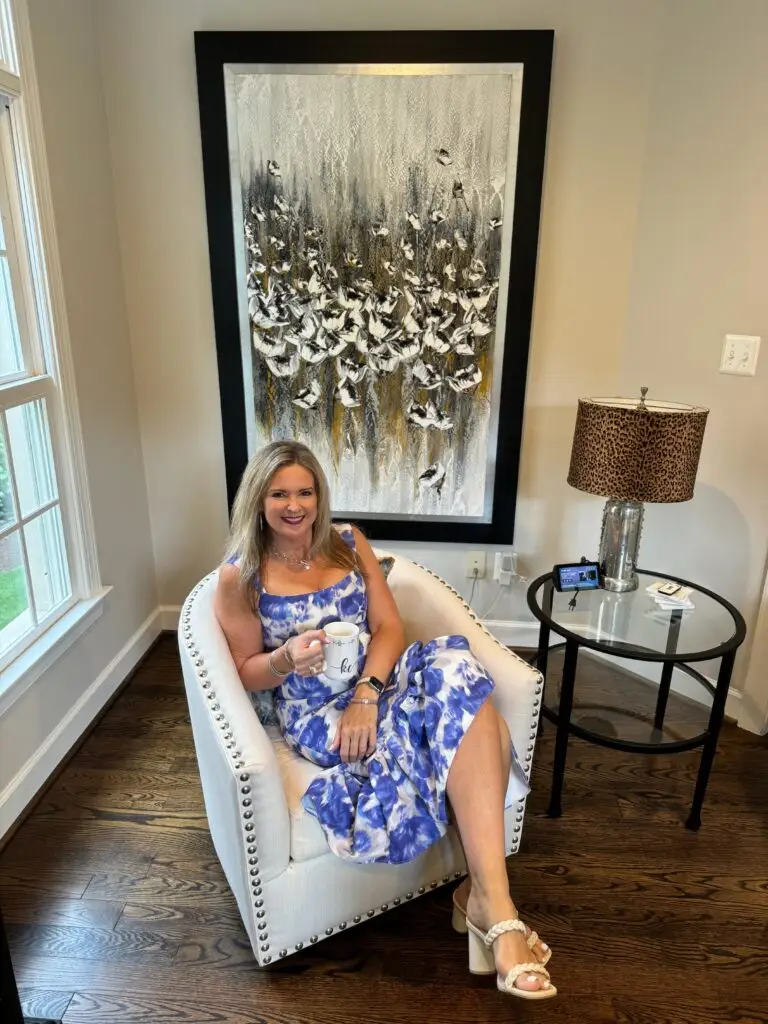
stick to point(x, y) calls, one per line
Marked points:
point(374, 683)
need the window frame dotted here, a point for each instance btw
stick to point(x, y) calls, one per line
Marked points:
point(37, 283)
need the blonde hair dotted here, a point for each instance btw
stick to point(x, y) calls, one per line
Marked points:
point(250, 536)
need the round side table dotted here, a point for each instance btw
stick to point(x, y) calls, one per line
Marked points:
point(633, 626)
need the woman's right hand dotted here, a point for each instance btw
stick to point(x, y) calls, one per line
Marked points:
point(307, 652)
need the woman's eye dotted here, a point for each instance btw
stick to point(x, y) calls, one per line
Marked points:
point(306, 494)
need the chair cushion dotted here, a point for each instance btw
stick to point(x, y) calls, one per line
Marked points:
point(307, 838)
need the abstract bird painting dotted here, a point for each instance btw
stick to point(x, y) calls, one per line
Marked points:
point(372, 235)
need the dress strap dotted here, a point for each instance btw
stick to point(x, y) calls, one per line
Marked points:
point(346, 533)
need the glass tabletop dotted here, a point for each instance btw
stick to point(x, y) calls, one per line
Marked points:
point(636, 625)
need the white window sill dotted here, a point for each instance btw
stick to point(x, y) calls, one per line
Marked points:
point(23, 671)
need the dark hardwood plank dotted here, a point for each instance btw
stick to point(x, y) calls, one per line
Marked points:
point(44, 1003)
point(172, 867)
point(79, 779)
point(159, 889)
point(650, 923)
point(101, 944)
point(40, 880)
point(221, 918)
point(38, 908)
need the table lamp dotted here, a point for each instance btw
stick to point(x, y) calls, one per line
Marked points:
point(631, 452)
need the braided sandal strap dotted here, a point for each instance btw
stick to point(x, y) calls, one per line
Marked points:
point(532, 939)
point(518, 969)
point(502, 927)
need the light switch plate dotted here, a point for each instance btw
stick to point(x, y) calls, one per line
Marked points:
point(740, 353)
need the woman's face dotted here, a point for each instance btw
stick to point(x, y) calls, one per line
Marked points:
point(290, 507)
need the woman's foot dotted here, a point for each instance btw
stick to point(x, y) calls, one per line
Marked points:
point(462, 895)
point(510, 949)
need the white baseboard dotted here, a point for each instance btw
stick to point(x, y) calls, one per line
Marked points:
point(525, 633)
point(169, 617)
point(28, 781)
point(514, 632)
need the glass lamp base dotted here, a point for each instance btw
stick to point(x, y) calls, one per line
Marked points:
point(619, 545)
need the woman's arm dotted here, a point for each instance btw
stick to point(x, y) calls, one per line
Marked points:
point(387, 636)
point(242, 630)
point(356, 732)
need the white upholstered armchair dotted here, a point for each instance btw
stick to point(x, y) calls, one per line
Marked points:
point(290, 889)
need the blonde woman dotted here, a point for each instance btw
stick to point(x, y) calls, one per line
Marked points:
point(412, 733)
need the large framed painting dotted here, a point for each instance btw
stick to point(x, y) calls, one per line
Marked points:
point(373, 205)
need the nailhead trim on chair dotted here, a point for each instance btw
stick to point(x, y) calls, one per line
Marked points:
point(244, 778)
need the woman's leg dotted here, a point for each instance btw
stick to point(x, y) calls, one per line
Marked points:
point(465, 888)
point(477, 785)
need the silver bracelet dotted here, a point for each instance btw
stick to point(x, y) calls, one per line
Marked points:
point(273, 670)
point(362, 700)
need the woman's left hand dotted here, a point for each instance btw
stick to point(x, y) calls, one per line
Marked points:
point(356, 733)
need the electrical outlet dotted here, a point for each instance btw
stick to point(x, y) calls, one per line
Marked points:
point(740, 353)
point(504, 567)
point(475, 565)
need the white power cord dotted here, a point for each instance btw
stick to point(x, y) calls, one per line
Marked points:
point(475, 577)
point(501, 588)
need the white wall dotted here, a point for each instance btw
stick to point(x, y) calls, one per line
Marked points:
point(605, 54)
point(700, 270)
point(40, 727)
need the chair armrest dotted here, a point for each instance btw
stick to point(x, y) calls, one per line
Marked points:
point(429, 607)
point(244, 795)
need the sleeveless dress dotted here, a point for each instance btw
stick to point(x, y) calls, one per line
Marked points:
point(391, 806)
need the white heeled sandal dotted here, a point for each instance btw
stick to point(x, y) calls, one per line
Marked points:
point(459, 921)
point(482, 961)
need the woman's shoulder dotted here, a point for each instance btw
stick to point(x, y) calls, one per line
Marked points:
point(230, 575)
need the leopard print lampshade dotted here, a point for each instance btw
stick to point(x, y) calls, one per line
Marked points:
point(637, 450)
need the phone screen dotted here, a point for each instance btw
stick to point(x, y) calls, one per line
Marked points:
point(579, 577)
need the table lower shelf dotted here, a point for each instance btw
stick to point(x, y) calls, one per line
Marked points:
point(616, 708)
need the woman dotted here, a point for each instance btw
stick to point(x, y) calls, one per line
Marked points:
point(415, 732)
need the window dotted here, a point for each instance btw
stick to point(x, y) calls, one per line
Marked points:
point(47, 563)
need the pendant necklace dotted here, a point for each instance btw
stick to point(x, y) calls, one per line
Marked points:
point(305, 564)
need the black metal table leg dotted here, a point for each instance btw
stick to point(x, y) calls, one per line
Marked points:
point(563, 727)
point(541, 665)
point(710, 743)
point(673, 635)
point(542, 654)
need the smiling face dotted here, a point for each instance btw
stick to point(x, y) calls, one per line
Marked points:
point(290, 507)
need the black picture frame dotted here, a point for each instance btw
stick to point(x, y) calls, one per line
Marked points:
point(531, 48)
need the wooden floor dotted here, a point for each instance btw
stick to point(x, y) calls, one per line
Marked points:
point(118, 911)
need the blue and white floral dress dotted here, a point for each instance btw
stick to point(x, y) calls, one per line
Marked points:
point(390, 807)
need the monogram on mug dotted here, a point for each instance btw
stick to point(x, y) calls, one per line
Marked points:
point(342, 652)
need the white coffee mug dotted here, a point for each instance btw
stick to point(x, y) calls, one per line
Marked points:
point(342, 652)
